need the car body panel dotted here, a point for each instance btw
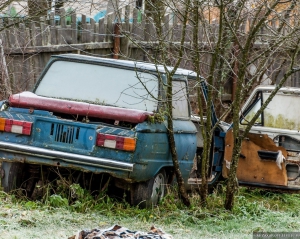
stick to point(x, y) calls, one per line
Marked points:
point(64, 132)
point(270, 153)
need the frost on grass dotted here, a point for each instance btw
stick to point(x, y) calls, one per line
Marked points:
point(255, 211)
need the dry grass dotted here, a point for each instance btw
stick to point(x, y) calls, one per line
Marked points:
point(254, 211)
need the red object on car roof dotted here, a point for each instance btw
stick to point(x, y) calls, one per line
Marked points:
point(30, 100)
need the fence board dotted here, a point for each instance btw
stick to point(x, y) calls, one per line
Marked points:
point(30, 46)
point(137, 31)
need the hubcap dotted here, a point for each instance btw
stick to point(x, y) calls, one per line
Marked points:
point(158, 190)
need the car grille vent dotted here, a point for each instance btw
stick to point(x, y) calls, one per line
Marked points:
point(64, 133)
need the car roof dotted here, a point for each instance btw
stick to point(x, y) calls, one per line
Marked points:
point(138, 65)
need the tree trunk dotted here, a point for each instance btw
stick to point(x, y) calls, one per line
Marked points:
point(181, 187)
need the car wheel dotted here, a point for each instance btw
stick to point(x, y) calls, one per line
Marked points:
point(149, 193)
point(11, 176)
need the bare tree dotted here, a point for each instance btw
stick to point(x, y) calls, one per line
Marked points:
point(37, 9)
point(230, 44)
point(249, 34)
point(233, 42)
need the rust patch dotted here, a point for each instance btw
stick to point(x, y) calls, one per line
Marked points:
point(252, 168)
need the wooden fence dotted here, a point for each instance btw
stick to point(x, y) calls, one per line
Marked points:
point(28, 45)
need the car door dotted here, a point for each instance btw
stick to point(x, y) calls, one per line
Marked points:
point(269, 154)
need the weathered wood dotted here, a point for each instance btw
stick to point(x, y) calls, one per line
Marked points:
point(117, 32)
point(96, 32)
point(137, 31)
point(4, 73)
point(21, 35)
point(11, 35)
point(101, 36)
point(3, 35)
point(88, 32)
point(74, 28)
point(150, 32)
point(60, 48)
point(61, 30)
point(53, 35)
point(83, 32)
point(176, 31)
point(22, 43)
point(125, 32)
point(45, 32)
point(166, 28)
point(27, 37)
point(109, 27)
point(33, 34)
point(38, 37)
point(51, 19)
point(92, 30)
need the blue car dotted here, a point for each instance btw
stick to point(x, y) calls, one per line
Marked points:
point(100, 122)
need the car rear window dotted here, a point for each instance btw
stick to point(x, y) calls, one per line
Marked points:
point(100, 85)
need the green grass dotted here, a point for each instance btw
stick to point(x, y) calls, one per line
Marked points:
point(56, 217)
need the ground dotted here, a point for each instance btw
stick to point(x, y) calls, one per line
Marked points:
point(254, 211)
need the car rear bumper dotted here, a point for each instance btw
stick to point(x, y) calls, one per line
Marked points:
point(66, 157)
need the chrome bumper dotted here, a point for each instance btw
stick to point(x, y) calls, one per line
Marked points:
point(67, 157)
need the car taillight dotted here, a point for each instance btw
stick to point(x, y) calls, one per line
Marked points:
point(15, 126)
point(116, 142)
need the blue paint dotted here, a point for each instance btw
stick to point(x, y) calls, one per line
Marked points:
point(71, 136)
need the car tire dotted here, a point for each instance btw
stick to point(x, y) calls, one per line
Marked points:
point(149, 193)
point(11, 176)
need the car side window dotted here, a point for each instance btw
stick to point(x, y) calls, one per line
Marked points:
point(180, 99)
point(251, 110)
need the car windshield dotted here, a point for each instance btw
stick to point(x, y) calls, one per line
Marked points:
point(100, 85)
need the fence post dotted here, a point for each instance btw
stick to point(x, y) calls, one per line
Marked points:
point(5, 77)
point(116, 40)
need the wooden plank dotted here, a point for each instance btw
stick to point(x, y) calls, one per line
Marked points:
point(31, 75)
point(33, 34)
point(83, 32)
point(51, 19)
point(92, 30)
point(116, 49)
point(25, 80)
point(68, 34)
point(139, 26)
point(166, 28)
point(125, 30)
point(22, 35)
point(4, 71)
point(101, 32)
point(96, 33)
point(27, 37)
point(53, 35)
point(214, 32)
point(201, 31)
point(150, 34)
point(61, 30)
point(3, 39)
point(38, 37)
point(45, 32)
point(60, 48)
point(11, 34)
point(109, 27)
point(62, 14)
point(3, 36)
point(74, 28)
point(188, 33)
point(88, 32)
